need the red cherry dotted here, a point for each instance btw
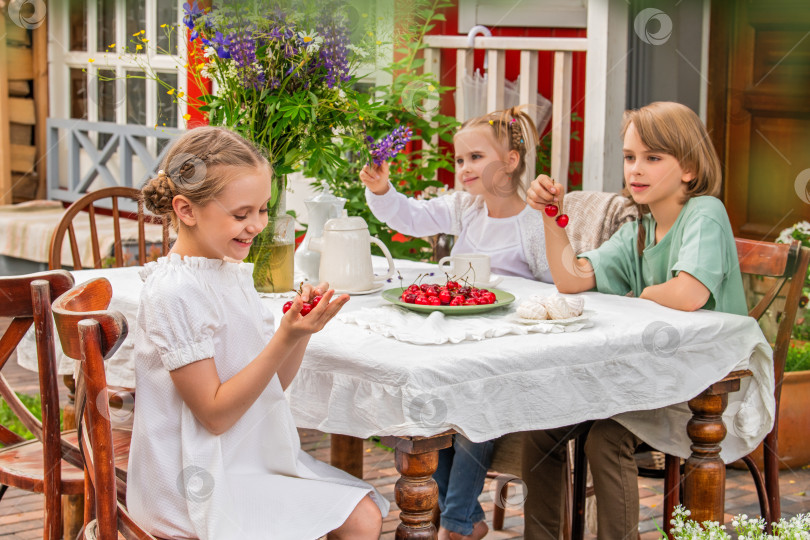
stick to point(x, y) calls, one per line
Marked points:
point(286, 307)
point(434, 301)
point(562, 220)
point(408, 297)
point(488, 297)
point(444, 297)
point(421, 300)
point(457, 301)
point(413, 288)
point(470, 302)
point(452, 285)
point(316, 300)
point(306, 308)
point(551, 210)
point(432, 291)
point(423, 287)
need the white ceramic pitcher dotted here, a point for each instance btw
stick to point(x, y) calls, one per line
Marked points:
point(345, 247)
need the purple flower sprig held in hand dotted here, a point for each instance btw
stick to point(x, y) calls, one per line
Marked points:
point(389, 146)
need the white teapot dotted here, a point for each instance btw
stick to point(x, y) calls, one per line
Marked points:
point(345, 247)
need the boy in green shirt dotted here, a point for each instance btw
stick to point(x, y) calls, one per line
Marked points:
point(680, 253)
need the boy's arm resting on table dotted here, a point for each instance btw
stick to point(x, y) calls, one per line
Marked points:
point(683, 292)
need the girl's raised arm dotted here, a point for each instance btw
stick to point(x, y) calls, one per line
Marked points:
point(571, 274)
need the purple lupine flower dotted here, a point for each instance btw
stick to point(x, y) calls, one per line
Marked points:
point(191, 12)
point(332, 55)
point(243, 51)
point(389, 146)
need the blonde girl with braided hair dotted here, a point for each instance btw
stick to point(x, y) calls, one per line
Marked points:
point(211, 369)
point(489, 216)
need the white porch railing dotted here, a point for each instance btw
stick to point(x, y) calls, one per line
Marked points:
point(529, 48)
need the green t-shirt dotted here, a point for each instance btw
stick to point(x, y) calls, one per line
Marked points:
point(699, 243)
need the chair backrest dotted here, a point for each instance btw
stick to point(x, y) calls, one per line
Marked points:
point(90, 333)
point(87, 203)
point(27, 300)
point(788, 264)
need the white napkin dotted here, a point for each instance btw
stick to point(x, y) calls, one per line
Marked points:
point(435, 329)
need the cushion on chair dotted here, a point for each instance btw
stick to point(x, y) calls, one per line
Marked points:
point(507, 454)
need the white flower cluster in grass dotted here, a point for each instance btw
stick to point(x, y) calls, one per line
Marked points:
point(683, 528)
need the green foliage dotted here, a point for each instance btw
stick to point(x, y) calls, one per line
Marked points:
point(410, 99)
point(10, 420)
point(798, 357)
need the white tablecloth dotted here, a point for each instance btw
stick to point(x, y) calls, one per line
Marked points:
point(638, 359)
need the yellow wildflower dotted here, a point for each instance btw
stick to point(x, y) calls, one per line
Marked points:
point(138, 47)
point(145, 40)
point(379, 42)
point(180, 94)
point(111, 46)
point(91, 60)
point(186, 117)
point(164, 25)
point(171, 91)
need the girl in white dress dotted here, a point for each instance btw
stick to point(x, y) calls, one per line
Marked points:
point(490, 216)
point(215, 453)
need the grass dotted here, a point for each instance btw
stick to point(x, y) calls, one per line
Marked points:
point(10, 420)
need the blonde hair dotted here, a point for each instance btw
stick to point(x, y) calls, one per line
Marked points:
point(674, 129)
point(513, 129)
point(196, 166)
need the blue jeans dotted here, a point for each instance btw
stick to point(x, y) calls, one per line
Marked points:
point(460, 475)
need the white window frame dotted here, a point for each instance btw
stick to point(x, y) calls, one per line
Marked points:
point(61, 60)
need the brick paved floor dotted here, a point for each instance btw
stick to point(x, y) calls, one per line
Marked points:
point(21, 512)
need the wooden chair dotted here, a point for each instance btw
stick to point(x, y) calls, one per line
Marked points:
point(87, 203)
point(788, 264)
point(90, 333)
point(43, 465)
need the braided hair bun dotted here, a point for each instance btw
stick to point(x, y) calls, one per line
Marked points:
point(158, 194)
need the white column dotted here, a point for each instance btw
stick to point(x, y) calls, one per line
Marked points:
point(605, 94)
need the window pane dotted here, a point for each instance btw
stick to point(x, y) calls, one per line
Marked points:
point(167, 108)
point(78, 25)
point(136, 99)
point(136, 21)
point(108, 100)
point(105, 17)
point(167, 14)
point(78, 93)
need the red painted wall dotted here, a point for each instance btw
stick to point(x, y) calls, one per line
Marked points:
point(545, 76)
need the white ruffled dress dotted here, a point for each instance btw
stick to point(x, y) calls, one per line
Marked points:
point(253, 481)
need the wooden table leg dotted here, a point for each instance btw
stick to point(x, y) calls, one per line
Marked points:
point(346, 453)
point(704, 472)
point(416, 492)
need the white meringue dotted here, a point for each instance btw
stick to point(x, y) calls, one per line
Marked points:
point(532, 310)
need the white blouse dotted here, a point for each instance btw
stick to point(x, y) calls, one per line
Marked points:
point(253, 481)
point(516, 245)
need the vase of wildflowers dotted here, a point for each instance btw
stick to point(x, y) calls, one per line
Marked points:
point(283, 77)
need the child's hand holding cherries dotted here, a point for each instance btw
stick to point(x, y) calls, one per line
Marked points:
point(314, 306)
point(547, 195)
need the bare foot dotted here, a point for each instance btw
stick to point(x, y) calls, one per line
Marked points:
point(480, 530)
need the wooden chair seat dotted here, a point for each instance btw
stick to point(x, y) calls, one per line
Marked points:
point(21, 464)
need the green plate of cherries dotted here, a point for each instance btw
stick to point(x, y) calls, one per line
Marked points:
point(494, 298)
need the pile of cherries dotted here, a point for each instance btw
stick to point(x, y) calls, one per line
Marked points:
point(306, 308)
point(450, 294)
